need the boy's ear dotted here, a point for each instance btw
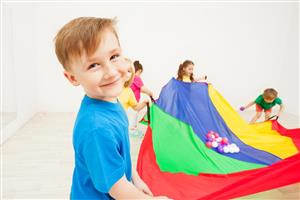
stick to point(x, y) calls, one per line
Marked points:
point(71, 78)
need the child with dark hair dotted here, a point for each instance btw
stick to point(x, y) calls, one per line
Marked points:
point(185, 72)
point(137, 85)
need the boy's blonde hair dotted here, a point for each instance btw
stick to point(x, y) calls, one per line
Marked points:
point(81, 35)
point(270, 94)
point(131, 70)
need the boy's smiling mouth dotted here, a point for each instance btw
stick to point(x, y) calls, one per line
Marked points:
point(111, 83)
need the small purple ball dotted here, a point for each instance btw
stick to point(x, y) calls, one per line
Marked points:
point(220, 149)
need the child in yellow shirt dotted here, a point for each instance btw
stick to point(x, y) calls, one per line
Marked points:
point(185, 73)
point(128, 100)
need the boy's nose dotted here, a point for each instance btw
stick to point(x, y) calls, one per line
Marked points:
point(110, 71)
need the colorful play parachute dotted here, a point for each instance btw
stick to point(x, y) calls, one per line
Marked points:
point(175, 162)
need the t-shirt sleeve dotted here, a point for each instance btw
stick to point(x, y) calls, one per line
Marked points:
point(259, 99)
point(132, 100)
point(278, 101)
point(138, 82)
point(103, 159)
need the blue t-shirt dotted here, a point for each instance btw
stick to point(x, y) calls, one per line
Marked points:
point(101, 145)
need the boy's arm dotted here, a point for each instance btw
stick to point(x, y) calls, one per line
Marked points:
point(280, 110)
point(139, 183)
point(141, 105)
point(247, 106)
point(250, 104)
point(145, 90)
point(123, 189)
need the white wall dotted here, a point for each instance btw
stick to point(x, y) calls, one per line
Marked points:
point(242, 47)
point(8, 81)
point(22, 61)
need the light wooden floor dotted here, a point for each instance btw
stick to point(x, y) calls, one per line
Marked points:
point(37, 162)
point(7, 117)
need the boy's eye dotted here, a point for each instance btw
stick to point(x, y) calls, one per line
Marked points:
point(93, 65)
point(114, 57)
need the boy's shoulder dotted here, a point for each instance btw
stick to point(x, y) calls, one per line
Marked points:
point(278, 100)
point(94, 118)
point(98, 117)
point(259, 98)
point(92, 125)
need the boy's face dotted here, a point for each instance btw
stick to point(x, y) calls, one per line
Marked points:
point(102, 75)
point(189, 70)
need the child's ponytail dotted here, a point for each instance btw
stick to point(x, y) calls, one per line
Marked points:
point(137, 66)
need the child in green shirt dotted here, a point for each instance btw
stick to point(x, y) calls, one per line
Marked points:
point(265, 102)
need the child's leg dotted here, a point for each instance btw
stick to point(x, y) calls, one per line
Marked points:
point(256, 117)
point(132, 119)
point(135, 119)
point(268, 114)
